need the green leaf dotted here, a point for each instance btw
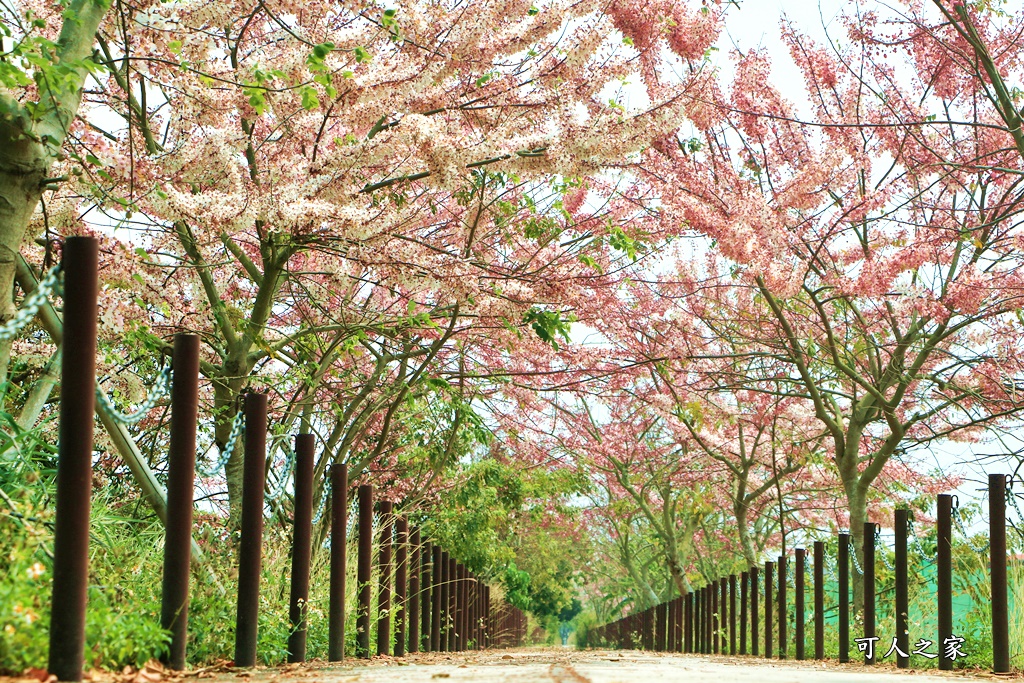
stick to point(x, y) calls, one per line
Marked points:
point(309, 98)
point(361, 54)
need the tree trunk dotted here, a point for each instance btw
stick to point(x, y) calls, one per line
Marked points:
point(29, 143)
point(858, 515)
point(225, 392)
point(746, 541)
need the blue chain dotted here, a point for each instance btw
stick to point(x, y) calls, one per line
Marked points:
point(159, 391)
point(31, 304)
point(236, 431)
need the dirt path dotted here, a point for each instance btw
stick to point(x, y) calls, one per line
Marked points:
point(567, 666)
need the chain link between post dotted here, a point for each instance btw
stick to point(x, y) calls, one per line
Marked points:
point(882, 551)
point(160, 389)
point(236, 431)
point(31, 304)
point(960, 527)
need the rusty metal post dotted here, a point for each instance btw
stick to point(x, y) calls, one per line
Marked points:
point(488, 628)
point(844, 597)
point(902, 592)
point(732, 614)
point(709, 623)
point(387, 529)
point(702, 596)
point(798, 600)
point(401, 571)
point(944, 572)
point(705, 613)
point(869, 586)
point(452, 603)
point(782, 607)
point(716, 623)
point(819, 600)
point(463, 608)
point(755, 615)
point(445, 605)
point(302, 546)
point(339, 548)
point(661, 627)
point(415, 567)
point(997, 491)
point(364, 570)
point(688, 624)
point(426, 594)
point(677, 624)
point(723, 605)
point(744, 580)
point(250, 551)
point(181, 468)
point(74, 463)
point(460, 607)
point(472, 639)
point(769, 589)
point(694, 622)
point(698, 621)
point(436, 594)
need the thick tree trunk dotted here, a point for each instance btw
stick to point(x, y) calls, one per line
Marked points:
point(29, 144)
point(858, 515)
point(23, 167)
point(225, 394)
point(746, 540)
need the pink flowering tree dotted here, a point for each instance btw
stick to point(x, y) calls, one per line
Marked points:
point(871, 260)
point(347, 201)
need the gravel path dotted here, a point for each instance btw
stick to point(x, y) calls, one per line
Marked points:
point(554, 665)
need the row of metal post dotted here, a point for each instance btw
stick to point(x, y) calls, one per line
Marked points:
point(438, 605)
point(705, 620)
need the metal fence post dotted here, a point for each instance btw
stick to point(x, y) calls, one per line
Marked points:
point(716, 623)
point(661, 643)
point(782, 607)
point(769, 588)
point(250, 551)
point(339, 548)
point(452, 602)
point(723, 602)
point(436, 593)
point(754, 612)
point(997, 484)
point(732, 614)
point(445, 605)
point(902, 593)
point(744, 580)
point(387, 528)
point(819, 600)
point(181, 468)
point(364, 570)
point(798, 600)
point(74, 463)
point(401, 573)
point(844, 597)
point(415, 568)
point(944, 574)
point(869, 587)
point(302, 545)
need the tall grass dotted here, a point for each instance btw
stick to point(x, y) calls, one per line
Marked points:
point(123, 613)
